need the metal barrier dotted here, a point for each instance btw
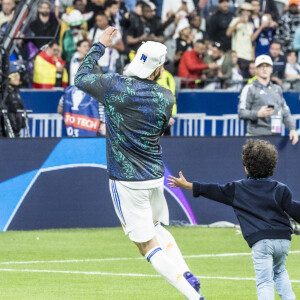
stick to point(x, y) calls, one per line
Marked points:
point(50, 125)
point(44, 125)
point(203, 125)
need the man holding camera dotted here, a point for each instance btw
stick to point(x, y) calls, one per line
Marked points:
point(263, 106)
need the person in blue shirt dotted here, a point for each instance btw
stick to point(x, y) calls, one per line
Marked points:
point(137, 111)
point(262, 206)
point(263, 35)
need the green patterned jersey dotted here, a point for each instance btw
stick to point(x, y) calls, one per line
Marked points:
point(137, 111)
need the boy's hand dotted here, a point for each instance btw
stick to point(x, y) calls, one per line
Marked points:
point(108, 36)
point(179, 182)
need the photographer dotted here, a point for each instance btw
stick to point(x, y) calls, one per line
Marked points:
point(13, 103)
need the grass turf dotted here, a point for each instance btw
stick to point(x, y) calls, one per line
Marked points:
point(41, 279)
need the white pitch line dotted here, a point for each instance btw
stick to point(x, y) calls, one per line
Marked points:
point(124, 274)
point(124, 258)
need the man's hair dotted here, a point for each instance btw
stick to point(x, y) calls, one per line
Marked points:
point(44, 2)
point(199, 42)
point(144, 5)
point(102, 14)
point(110, 3)
point(78, 44)
point(260, 158)
point(52, 43)
point(75, 1)
point(275, 42)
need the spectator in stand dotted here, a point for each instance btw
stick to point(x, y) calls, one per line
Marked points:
point(191, 65)
point(176, 5)
point(74, 34)
point(170, 27)
point(209, 7)
point(218, 24)
point(144, 29)
point(224, 71)
point(256, 14)
point(130, 17)
point(269, 7)
point(263, 36)
point(110, 10)
point(78, 5)
point(61, 7)
point(279, 62)
point(95, 6)
point(49, 69)
point(281, 4)
point(121, 15)
point(241, 30)
point(108, 61)
point(197, 32)
point(236, 76)
point(252, 72)
point(292, 72)
point(7, 6)
point(287, 26)
point(296, 42)
point(82, 48)
point(43, 25)
point(185, 39)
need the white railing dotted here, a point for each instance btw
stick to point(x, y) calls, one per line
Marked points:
point(203, 125)
point(44, 125)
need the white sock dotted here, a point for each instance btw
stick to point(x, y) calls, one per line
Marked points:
point(167, 269)
point(170, 248)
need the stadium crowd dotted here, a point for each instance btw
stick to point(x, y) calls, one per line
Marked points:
point(211, 44)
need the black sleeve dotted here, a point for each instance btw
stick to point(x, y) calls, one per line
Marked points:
point(132, 30)
point(220, 193)
point(212, 28)
point(289, 205)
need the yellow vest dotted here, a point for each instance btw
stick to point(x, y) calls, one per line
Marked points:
point(167, 81)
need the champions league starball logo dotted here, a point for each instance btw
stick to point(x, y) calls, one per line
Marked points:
point(144, 58)
point(77, 99)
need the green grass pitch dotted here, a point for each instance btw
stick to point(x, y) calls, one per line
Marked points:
point(104, 264)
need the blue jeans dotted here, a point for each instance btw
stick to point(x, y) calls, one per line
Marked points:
point(269, 258)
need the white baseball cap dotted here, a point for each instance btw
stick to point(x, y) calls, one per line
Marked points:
point(149, 56)
point(263, 59)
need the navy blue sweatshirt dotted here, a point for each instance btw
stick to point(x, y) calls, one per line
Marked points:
point(262, 206)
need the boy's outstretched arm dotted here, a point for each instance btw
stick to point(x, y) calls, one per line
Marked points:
point(220, 193)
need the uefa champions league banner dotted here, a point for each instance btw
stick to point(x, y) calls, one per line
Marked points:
point(63, 183)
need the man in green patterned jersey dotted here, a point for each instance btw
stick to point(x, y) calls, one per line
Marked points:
point(137, 111)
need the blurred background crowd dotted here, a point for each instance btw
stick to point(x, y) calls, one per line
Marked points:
point(212, 44)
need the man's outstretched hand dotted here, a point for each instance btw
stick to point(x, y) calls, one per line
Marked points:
point(179, 182)
point(107, 36)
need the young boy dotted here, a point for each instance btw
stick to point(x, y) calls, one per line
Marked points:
point(262, 206)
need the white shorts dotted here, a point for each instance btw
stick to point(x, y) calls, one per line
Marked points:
point(137, 209)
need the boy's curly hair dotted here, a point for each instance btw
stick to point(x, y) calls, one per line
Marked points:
point(260, 158)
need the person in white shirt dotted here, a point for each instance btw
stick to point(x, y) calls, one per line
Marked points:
point(82, 48)
point(108, 62)
point(241, 30)
point(292, 72)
